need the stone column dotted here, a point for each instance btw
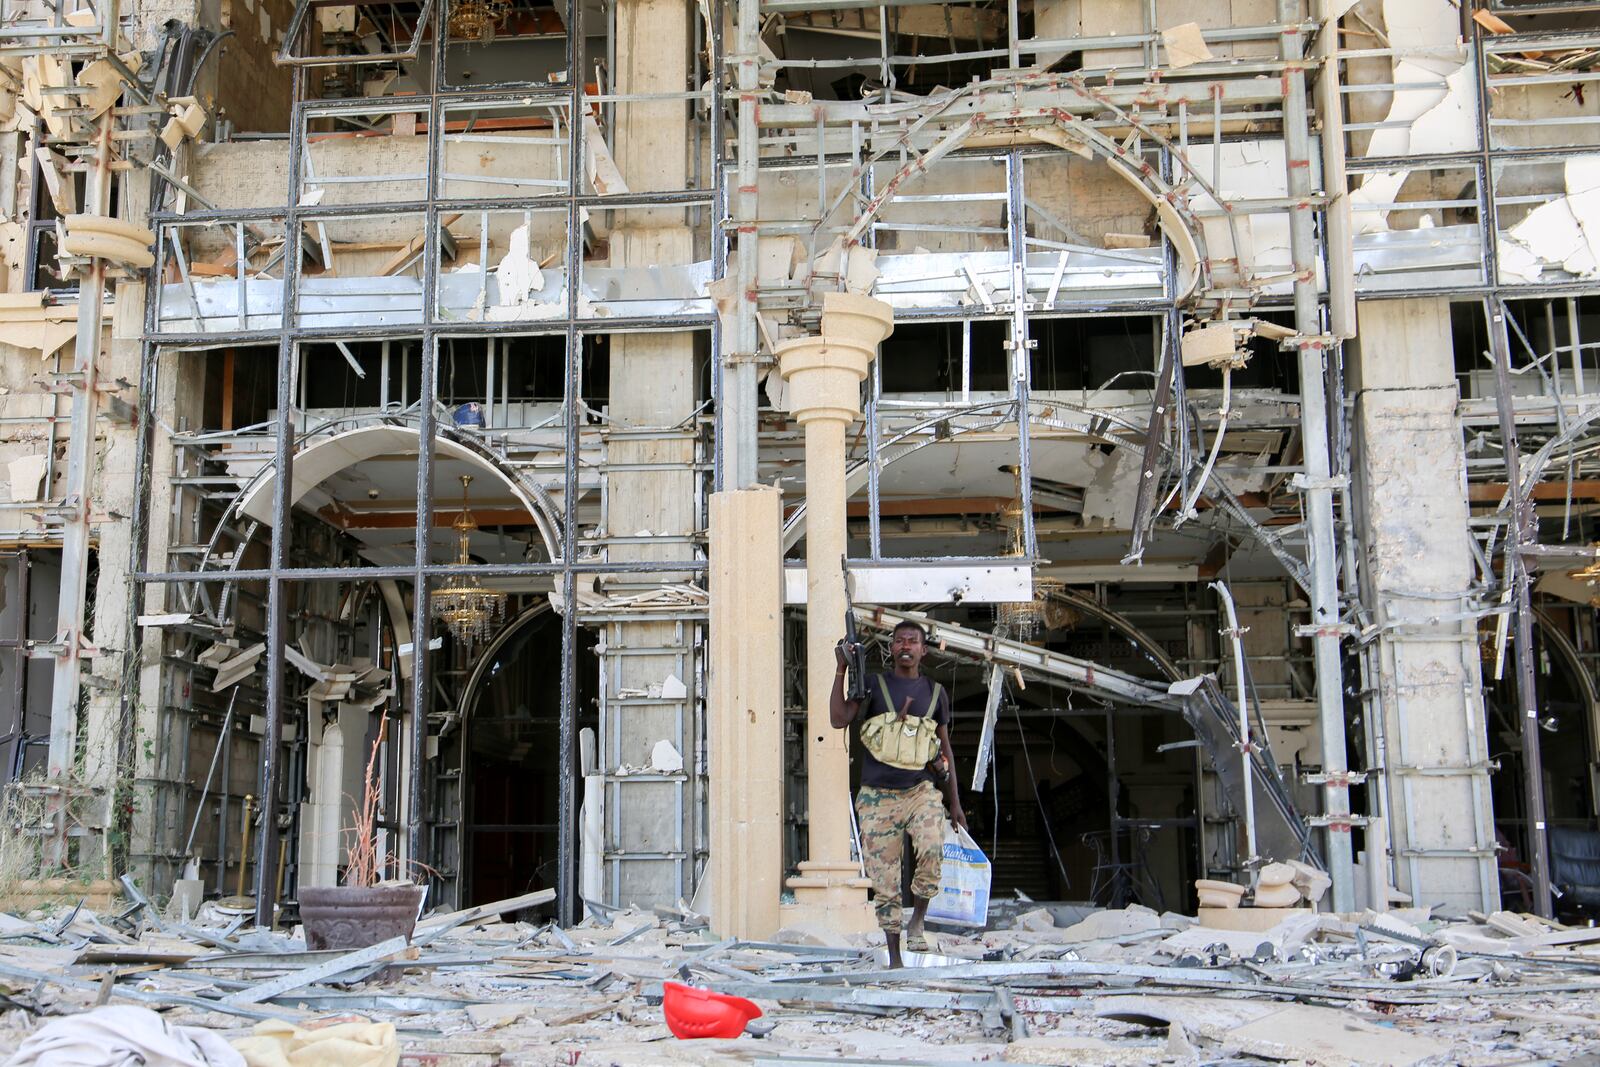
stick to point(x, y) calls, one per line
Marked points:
point(824, 376)
point(745, 868)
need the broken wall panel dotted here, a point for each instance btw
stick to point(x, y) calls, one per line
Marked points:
point(1549, 214)
point(503, 266)
point(1416, 227)
point(514, 150)
point(220, 277)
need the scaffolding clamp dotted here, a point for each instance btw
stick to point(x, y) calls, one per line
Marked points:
point(1339, 824)
point(1328, 629)
point(1337, 779)
point(1303, 483)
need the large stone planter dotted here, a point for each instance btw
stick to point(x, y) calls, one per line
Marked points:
point(345, 917)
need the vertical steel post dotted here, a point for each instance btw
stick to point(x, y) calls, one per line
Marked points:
point(1336, 225)
point(78, 500)
point(266, 885)
point(567, 801)
point(719, 237)
point(421, 605)
point(1322, 558)
point(1522, 529)
point(1021, 364)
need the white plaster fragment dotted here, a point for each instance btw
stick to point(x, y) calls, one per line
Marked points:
point(1365, 217)
point(673, 689)
point(1451, 124)
point(664, 759)
point(1552, 232)
point(1255, 169)
point(599, 166)
point(517, 275)
point(1517, 262)
point(1429, 88)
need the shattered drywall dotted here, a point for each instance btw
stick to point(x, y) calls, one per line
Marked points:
point(1433, 110)
point(1562, 233)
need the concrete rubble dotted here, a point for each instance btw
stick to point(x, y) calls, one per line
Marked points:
point(1114, 986)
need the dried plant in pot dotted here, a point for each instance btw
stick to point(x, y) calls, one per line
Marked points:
point(366, 909)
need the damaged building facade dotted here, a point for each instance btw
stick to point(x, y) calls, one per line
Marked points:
point(521, 391)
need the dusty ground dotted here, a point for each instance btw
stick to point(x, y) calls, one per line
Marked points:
point(1121, 987)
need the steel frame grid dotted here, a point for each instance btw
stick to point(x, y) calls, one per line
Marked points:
point(1320, 576)
point(429, 331)
point(1492, 294)
point(573, 329)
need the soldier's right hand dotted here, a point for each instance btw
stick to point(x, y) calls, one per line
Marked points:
point(843, 651)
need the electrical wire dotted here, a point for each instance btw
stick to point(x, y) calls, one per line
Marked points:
point(1187, 511)
point(1037, 799)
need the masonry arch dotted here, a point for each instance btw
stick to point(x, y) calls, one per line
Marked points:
point(322, 457)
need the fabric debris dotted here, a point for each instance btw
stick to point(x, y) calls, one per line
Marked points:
point(120, 1035)
point(280, 1044)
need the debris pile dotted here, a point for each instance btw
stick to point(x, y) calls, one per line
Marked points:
point(1063, 984)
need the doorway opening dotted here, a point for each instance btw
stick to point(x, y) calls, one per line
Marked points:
point(510, 758)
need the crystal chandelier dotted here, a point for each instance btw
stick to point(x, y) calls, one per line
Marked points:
point(463, 604)
point(476, 20)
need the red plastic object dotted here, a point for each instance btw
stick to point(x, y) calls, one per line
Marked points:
point(693, 1012)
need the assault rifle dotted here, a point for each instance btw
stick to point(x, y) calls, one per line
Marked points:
point(855, 654)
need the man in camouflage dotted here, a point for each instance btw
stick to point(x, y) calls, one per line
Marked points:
point(894, 803)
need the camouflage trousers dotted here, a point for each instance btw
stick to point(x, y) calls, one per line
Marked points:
point(886, 817)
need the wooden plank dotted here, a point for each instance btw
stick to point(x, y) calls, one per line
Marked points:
point(499, 907)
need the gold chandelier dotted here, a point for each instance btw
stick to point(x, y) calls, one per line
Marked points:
point(1022, 620)
point(1589, 574)
point(476, 20)
point(463, 604)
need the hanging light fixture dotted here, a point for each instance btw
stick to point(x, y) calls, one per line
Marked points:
point(476, 20)
point(1022, 620)
point(463, 604)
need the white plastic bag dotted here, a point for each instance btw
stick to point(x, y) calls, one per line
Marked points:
point(963, 898)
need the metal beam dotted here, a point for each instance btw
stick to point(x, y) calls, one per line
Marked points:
point(1322, 557)
point(1521, 530)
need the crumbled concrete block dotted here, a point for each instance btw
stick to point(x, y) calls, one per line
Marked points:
point(809, 934)
point(1080, 1052)
point(1134, 919)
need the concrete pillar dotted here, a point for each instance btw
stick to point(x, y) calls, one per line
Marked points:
point(745, 868)
point(116, 479)
point(654, 392)
point(1427, 737)
point(824, 376)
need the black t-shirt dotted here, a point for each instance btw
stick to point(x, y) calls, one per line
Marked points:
point(920, 690)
